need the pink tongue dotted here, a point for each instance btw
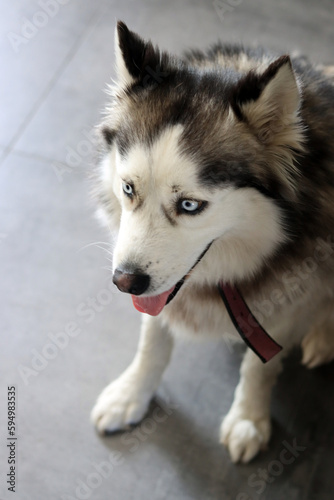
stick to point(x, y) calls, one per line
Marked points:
point(151, 305)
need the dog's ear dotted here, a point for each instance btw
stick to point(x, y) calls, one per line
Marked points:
point(268, 102)
point(135, 58)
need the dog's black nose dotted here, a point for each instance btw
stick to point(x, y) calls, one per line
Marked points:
point(134, 283)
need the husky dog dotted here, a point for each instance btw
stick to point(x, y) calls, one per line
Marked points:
point(219, 166)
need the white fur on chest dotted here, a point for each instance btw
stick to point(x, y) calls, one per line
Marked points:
point(193, 314)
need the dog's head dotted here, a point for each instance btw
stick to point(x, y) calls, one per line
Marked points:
point(196, 157)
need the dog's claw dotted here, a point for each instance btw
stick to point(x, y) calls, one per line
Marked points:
point(121, 405)
point(243, 437)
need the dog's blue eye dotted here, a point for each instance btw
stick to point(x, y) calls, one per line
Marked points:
point(190, 205)
point(127, 188)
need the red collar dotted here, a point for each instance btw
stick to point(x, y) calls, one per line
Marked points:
point(247, 325)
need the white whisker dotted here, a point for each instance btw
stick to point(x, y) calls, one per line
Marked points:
point(96, 243)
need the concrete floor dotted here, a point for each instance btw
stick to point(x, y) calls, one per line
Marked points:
point(52, 84)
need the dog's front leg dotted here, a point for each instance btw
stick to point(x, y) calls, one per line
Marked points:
point(126, 400)
point(246, 428)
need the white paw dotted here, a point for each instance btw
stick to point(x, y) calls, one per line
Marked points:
point(243, 437)
point(318, 347)
point(120, 404)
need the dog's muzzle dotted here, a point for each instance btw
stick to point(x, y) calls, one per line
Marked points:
point(135, 283)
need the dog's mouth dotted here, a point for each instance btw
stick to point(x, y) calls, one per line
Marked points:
point(152, 305)
point(155, 304)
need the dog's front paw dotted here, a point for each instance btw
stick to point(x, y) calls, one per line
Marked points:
point(244, 437)
point(318, 347)
point(121, 404)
